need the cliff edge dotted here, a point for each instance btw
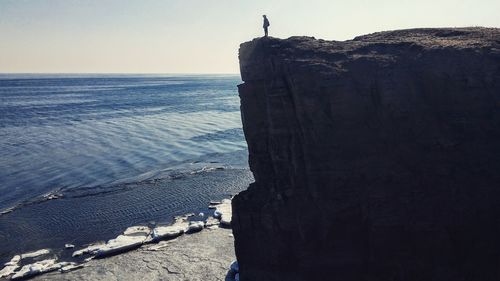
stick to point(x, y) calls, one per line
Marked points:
point(374, 159)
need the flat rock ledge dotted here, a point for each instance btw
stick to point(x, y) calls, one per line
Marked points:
point(206, 255)
point(164, 253)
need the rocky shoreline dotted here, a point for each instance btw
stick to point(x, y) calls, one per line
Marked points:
point(206, 250)
point(206, 255)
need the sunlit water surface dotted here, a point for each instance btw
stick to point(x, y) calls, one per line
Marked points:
point(110, 151)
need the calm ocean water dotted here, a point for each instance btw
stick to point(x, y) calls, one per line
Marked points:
point(112, 151)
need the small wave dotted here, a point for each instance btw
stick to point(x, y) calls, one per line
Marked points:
point(53, 195)
point(234, 134)
point(97, 213)
point(208, 163)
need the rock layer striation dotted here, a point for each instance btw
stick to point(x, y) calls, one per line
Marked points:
point(374, 159)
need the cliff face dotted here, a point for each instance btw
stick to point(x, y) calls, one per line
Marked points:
point(374, 159)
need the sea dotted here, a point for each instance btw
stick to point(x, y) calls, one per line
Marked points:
point(84, 156)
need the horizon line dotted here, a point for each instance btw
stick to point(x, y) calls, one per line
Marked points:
point(124, 73)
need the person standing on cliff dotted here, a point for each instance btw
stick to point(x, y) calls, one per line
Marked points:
point(266, 25)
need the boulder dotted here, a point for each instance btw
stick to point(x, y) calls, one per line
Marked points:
point(223, 212)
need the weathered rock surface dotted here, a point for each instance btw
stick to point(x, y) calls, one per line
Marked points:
point(374, 159)
point(206, 255)
point(133, 238)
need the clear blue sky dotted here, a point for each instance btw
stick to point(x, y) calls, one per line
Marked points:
point(197, 36)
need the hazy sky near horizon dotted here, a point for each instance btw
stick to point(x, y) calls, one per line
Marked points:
point(197, 36)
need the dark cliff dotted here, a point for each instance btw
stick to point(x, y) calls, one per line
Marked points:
point(374, 159)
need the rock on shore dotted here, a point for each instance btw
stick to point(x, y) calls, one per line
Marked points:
point(374, 159)
point(202, 256)
point(223, 212)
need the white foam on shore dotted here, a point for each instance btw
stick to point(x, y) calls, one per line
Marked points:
point(87, 250)
point(10, 266)
point(178, 228)
point(35, 253)
point(131, 238)
point(40, 267)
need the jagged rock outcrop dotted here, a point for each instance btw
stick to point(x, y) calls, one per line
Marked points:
point(374, 159)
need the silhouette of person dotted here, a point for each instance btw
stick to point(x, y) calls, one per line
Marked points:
point(266, 25)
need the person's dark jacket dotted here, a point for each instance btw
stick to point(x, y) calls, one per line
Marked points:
point(266, 22)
